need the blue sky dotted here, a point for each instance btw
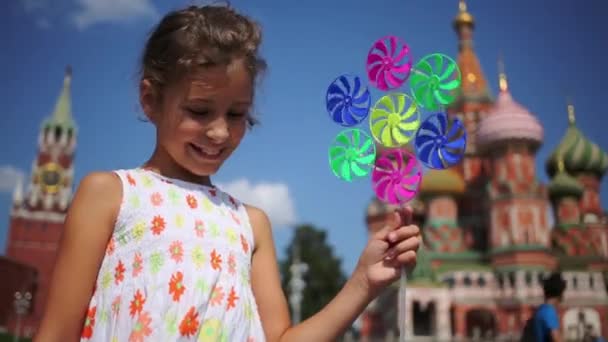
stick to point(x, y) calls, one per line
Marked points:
point(550, 52)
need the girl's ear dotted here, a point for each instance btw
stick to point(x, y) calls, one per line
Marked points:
point(148, 99)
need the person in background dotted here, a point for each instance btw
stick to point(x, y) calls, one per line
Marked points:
point(546, 319)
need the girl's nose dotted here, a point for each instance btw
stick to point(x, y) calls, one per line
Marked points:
point(218, 131)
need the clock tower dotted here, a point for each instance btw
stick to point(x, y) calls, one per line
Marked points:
point(38, 212)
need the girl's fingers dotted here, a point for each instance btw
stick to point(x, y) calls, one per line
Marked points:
point(403, 233)
point(410, 244)
point(404, 259)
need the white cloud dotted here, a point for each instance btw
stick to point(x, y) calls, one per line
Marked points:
point(98, 11)
point(273, 198)
point(9, 176)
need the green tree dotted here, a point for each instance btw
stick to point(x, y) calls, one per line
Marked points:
point(324, 277)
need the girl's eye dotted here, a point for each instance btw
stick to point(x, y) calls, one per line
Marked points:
point(236, 115)
point(198, 112)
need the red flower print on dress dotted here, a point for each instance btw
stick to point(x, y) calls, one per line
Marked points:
point(119, 272)
point(216, 260)
point(232, 200)
point(158, 225)
point(137, 303)
point(89, 323)
point(217, 295)
point(110, 247)
point(176, 286)
point(199, 228)
point(235, 218)
point(189, 324)
point(131, 180)
point(177, 251)
point(244, 244)
point(191, 200)
point(141, 328)
point(138, 264)
point(232, 298)
point(116, 306)
point(231, 264)
point(156, 199)
point(213, 192)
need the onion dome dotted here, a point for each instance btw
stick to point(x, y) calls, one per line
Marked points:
point(579, 154)
point(508, 120)
point(463, 18)
point(564, 185)
point(446, 181)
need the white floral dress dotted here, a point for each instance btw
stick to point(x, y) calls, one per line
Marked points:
point(177, 267)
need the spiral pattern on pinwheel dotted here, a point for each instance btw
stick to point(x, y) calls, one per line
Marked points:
point(352, 154)
point(435, 81)
point(440, 142)
point(347, 100)
point(396, 176)
point(394, 120)
point(388, 63)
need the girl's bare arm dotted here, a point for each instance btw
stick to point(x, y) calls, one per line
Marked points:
point(88, 226)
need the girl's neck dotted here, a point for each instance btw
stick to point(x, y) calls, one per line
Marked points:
point(162, 163)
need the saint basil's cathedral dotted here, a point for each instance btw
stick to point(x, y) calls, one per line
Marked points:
point(488, 238)
point(487, 234)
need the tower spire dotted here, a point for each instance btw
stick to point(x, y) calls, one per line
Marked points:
point(502, 75)
point(62, 115)
point(571, 113)
point(463, 18)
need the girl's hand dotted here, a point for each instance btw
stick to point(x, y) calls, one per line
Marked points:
point(387, 251)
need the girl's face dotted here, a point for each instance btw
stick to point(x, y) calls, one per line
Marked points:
point(202, 118)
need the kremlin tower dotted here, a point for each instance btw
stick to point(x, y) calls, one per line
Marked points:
point(488, 238)
point(38, 211)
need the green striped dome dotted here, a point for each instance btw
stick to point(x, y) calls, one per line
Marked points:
point(579, 154)
point(563, 185)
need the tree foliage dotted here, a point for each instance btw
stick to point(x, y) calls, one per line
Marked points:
point(324, 277)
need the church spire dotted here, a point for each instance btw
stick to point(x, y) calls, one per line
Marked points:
point(463, 18)
point(474, 83)
point(502, 75)
point(571, 113)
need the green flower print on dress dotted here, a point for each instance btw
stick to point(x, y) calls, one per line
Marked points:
point(156, 262)
point(106, 279)
point(207, 205)
point(147, 181)
point(179, 221)
point(231, 236)
point(171, 323)
point(212, 331)
point(198, 257)
point(173, 196)
point(134, 201)
point(139, 230)
point(202, 286)
point(215, 230)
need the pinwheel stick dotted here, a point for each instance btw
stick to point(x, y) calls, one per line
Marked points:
point(402, 306)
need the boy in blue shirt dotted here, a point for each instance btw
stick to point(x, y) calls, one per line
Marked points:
point(546, 319)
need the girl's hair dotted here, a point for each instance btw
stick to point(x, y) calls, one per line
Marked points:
point(200, 36)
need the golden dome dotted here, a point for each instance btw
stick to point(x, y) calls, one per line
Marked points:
point(463, 17)
point(445, 181)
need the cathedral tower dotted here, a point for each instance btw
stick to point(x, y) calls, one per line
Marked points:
point(38, 211)
point(519, 227)
point(471, 106)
